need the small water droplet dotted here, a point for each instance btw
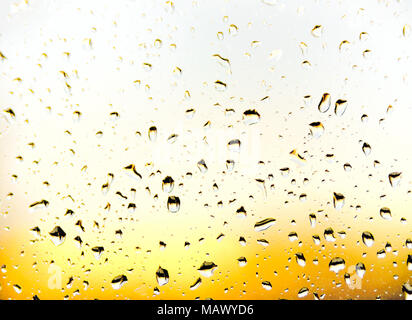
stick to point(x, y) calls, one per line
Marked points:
point(324, 103)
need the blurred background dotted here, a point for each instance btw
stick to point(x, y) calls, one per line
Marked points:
point(145, 140)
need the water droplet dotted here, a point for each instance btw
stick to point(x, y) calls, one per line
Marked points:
point(230, 164)
point(324, 103)
point(173, 204)
point(329, 235)
point(207, 268)
point(168, 184)
point(157, 43)
point(172, 138)
point(152, 133)
point(316, 129)
point(162, 276)
point(251, 116)
point(336, 264)
point(300, 259)
point(132, 173)
point(196, 285)
point(367, 238)
point(317, 31)
point(264, 224)
point(119, 281)
point(58, 235)
point(233, 30)
point(202, 166)
point(407, 291)
point(395, 178)
point(344, 45)
point(385, 213)
point(303, 292)
point(220, 86)
point(360, 269)
point(242, 261)
point(38, 205)
point(17, 288)
point(340, 107)
point(234, 145)
point(366, 148)
point(338, 200)
point(267, 285)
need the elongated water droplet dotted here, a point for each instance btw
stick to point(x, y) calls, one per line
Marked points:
point(152, 133)
point(162, 276)
point(317, 31)
point(173, 204)
point(324, 103)
point(242, 261)
point(58, 235)
point(395, 178)
point(132, 173)
point(366, 148)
